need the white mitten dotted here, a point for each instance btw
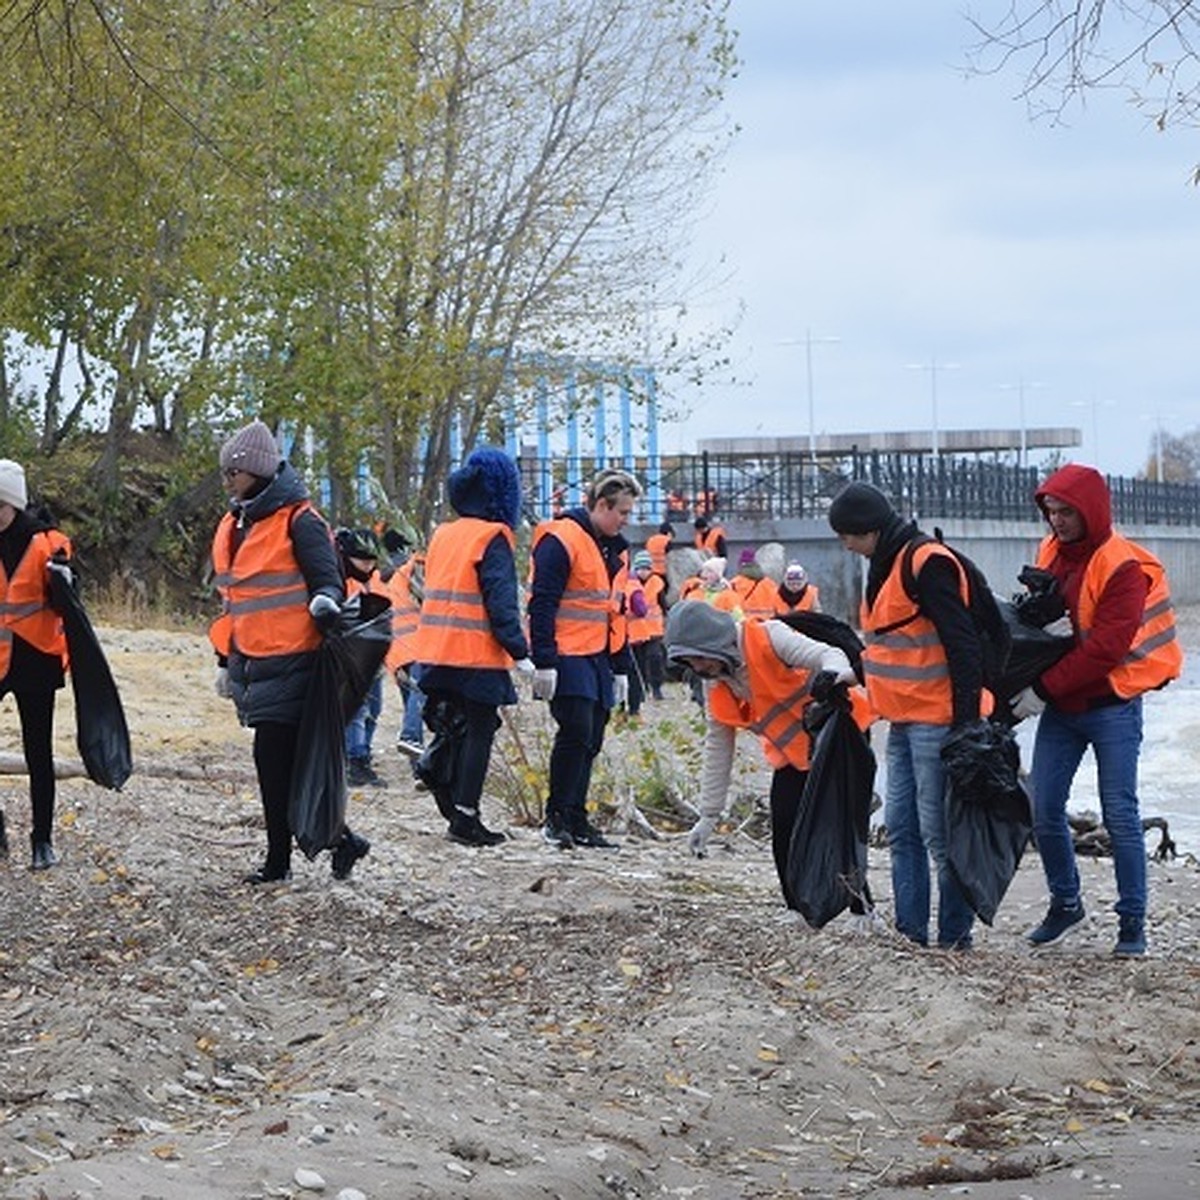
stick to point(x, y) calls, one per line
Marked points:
point(545, 680)
point(1026, 703)
point(620, 689)
point(701, 832)
point(1060, 628)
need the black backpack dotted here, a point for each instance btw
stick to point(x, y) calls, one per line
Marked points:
point(995, 636)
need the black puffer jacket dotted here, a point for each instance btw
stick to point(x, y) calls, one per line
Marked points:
point(272, 689)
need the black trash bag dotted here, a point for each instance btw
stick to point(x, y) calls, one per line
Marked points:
point(101, 733)
point(988, 820)
point(1042, 600)
point(1031, 651)
point(823, 627)
point(438, 763)
point(827, 855)
point(346, 663)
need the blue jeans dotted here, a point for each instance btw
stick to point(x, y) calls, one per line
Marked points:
point(915, 815)
point(412, 728)
point(1114, 733)
point(361, 729)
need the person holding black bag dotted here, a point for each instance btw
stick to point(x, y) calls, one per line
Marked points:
point(33, 647)
point(281, 588)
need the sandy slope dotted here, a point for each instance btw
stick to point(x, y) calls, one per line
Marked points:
point(531, 1023)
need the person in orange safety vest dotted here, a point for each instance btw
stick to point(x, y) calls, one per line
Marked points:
point(645, 593)
point(1124, 644)
point(33, 647)
point(795, 593)
point(759, 675)
point(577, 631)
point(281, 589)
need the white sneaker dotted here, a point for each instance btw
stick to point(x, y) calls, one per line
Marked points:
point(409, 749)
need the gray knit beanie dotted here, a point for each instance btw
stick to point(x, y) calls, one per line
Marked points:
point(252, 448)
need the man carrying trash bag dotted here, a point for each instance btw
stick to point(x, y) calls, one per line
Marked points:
point(762, 676)
point(281, 589)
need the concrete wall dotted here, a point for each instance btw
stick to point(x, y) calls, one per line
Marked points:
point(1000, 548)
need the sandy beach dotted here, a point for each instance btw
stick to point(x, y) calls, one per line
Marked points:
point(528, 1023)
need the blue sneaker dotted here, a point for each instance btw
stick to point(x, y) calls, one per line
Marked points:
point(1060, 919)
point(1131, 941)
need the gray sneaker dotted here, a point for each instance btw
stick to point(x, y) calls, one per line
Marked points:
point(1061, 917)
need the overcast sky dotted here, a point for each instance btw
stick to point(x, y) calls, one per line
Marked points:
point(878, 195)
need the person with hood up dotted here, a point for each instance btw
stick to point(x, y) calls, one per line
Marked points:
point(578, 631)
point(750, 592)
point(281, 589)
point(33, 647)
point(923, 665)
point(359, 551)
point(1120, 609)
point(758, 675)
point(469, 636)
point(795, 593)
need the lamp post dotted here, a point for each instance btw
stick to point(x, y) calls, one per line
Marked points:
point(809, 343)
point(1019, 387)
point(933, 367)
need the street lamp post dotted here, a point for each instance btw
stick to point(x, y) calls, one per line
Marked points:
point(1019, 387)
point(933, 367)
point(809, 343)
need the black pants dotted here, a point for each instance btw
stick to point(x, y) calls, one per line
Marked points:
point(274, 757)
point(651, 661)
point(36, 710)
point(470, 750)
point(787, 788)
point(580, 735)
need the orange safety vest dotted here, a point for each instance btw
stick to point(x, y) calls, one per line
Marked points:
point(405, 614)
point(589, 618)
point(806, 603)
point(657, 545)
point(908, 677)
point(263, 594)
point(454, 629)
point(707, 539)
point(642, 629)
point(1155, 657)
point(775, 708)
point(754, 597)
point(24, 601)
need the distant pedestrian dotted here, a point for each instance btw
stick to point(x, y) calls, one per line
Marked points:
point(750, 592)
point(795, 593)
point(281, 588)
point(580, 644)
point(923, 664)
point(33, 647)
point(710, 538)
point(469, 636)
point(1120, 610)
point(645, 593)
point(406, 591)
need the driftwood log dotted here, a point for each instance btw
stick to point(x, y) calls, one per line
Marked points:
point(72, 768)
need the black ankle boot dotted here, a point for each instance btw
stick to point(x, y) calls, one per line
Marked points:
point(347, 852)
point(43, 857)
point(469, 830)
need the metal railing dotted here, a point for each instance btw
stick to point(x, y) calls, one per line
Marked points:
point(794, 485)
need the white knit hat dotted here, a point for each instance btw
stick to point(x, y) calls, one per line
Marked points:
point(795, 576)
point(12, 483)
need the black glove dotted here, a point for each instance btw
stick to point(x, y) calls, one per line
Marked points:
point(823, 685)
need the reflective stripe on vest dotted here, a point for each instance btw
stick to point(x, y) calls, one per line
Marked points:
point(264, 596)
point(1155, 656)
point(405, 614)
point(454, 629)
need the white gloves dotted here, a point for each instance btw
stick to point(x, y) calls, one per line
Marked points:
point(62, 571)
point(545, 680)
point(324, 610)
point(701, 832)
point(620, 689)
point(525, 668)
point(1060, 628)
point(1026, 703)
point(221, 683)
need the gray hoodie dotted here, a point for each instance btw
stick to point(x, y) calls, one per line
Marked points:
point(696, 628)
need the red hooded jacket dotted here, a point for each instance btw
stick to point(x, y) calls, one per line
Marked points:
point(1079, 680)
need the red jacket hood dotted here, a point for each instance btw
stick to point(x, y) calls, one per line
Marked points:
point(1084, 489)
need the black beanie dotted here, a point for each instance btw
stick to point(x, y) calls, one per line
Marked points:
point(860, 508)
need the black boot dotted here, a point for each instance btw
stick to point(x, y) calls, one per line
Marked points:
point(267, 873)
point(350, 848)
point(468, 830)
point(43, 857)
